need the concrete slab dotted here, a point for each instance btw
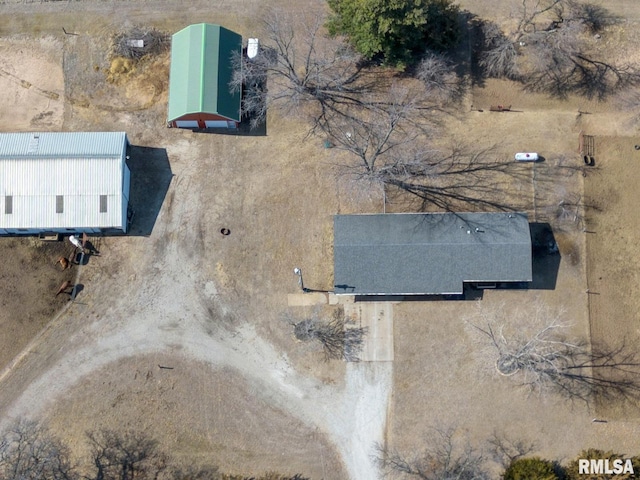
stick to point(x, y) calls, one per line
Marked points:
point(340, 299)
point(307, 299)
point(378, 318)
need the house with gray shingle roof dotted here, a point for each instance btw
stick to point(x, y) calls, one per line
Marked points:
point(429, 253)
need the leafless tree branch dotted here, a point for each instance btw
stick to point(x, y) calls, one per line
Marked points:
point(28, 451)
point(339, 340)
point(444, 459)
point(548, 361)
point(507, 450)
point(307, 72)
point(441, 82)
point(550, 52)
point(124, 456)
point(139, 41)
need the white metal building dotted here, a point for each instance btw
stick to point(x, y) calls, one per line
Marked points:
point(63, 182)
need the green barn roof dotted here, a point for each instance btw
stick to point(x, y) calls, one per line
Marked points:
point(201, 70)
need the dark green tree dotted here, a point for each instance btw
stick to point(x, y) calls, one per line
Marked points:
point(398, 30)
point(532, 468)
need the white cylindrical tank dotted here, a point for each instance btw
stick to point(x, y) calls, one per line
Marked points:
point(527, 157)
point(252, 47)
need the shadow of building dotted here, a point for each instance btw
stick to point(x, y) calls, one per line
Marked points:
point(546, 257)
point(150, 179)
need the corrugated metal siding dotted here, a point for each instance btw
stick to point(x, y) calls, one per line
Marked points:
point(210, 94)
point(80, 172)
point(61, 144)
point(126, 186)
point(228, 102)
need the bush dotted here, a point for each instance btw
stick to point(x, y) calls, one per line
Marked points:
point(573, 472)
point(533, 468)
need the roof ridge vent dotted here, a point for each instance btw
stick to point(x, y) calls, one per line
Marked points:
point(34, 142)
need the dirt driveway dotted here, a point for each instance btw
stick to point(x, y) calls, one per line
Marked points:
point(240, 394)
point(187, 294)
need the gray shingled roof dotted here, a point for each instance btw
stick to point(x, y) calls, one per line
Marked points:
point(429, 253)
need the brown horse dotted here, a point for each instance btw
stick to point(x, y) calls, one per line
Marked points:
point(66, 284)
point(64, 263)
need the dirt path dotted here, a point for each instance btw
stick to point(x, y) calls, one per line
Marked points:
point(185, 291)
point(166, 314)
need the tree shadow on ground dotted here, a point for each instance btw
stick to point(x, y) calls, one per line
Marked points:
point(459, 61)
point(463, 54)
point(150, 178)
point(476, 30)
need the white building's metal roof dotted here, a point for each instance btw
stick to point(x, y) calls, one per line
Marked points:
point(61, 144)
point(37, 168)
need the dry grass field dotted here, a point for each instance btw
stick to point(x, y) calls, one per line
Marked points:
point(613, 274)
point(242, 393)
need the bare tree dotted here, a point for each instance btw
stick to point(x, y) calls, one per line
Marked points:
point(391, 148)
point(550, 50)
point(338, 339)
point(28, 451)
point(385, 127)
point(307, 72)
point(301, 70)
point(571, 210)
point(249, 77)
point(548, 361)
point(125, 456)
point(499, 54)
point(593, 16)
point(441, 82)
point(530, 13)
point(375, 134)
point(444, 459)
point(561, 62)
point(506, 450)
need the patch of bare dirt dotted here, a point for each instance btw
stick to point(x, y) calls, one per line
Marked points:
point(112, 84)
point(31, 84)
point(226, 423)
point(30, 278)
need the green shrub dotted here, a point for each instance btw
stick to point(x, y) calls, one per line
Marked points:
point(533, 468)
point(573, 472)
